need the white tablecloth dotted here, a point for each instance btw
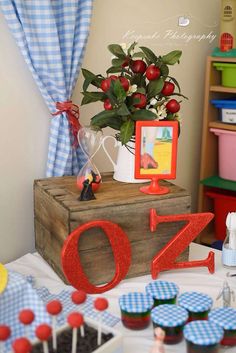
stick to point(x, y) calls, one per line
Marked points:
point(197, 279)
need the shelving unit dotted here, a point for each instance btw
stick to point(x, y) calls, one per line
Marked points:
point(209, 151)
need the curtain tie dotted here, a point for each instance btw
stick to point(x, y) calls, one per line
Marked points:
point(72, 112)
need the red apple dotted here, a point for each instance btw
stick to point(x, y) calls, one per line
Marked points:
point(107, 104)
point(124, 82)
point(138, 66)
point(105, 84)
point(173, 106)
point(168, 88)
point(142, 100)
point(153, 72)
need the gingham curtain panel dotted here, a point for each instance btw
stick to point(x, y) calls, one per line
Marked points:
point(52, 36)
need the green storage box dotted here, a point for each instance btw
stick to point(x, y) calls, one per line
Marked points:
point(228, 78)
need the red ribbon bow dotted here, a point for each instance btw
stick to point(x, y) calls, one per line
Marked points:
point(72, 112)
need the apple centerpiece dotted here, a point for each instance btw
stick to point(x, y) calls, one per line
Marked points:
point(137, 86)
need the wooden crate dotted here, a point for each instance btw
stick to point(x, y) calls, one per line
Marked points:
point(58, 212)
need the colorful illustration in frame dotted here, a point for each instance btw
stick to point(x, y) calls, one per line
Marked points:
point(156, 153)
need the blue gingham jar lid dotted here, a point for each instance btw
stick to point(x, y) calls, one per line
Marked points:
point(195, 301)
point(169, 315)
point(162, 290)
point(224, 317)
point(136, 302)
point(203, 333)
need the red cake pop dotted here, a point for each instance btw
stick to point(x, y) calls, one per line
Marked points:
point(54, 308)
point(43, 332)
point(75, 320)
point(22, 345)
point(79, 297)
point(5, 333)
point(100, 304)
point(26, 317)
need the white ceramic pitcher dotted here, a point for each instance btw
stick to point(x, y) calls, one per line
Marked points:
point(124, 166)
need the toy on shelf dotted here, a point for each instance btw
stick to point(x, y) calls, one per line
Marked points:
point(226, 294)
point(225, 318)
point(197, 304)
point(171, 318)
point(162, 292)
point(135, 310)
point(227, 46)
point(203, 336)
point(89, 178)
point(159, 336)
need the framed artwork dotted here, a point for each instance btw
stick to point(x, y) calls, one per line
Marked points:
point(156, 153)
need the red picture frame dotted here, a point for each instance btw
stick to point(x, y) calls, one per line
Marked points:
point(156, 153)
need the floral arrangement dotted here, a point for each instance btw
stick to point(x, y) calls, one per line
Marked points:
point(142, 89)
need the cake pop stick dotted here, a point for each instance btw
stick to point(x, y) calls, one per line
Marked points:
point(43, 332)
point(78, 297)
point(75, 320)
point(54, 308)
point(22, 345)
point(5, 333)
point(100, 304)
point(26, 317)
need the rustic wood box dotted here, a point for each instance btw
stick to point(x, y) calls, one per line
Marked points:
point(58, 212)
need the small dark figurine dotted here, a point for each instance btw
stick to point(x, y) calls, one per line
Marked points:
point(87, 191)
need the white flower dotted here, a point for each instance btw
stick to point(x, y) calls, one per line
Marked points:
point(132, 89)
point(153, 110)
point(161, 112)
point(153, 101)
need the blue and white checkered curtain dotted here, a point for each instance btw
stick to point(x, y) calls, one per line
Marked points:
point(52, 36)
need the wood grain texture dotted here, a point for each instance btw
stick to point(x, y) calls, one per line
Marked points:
point(121, 203)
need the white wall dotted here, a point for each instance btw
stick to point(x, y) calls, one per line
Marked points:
point(25, 118)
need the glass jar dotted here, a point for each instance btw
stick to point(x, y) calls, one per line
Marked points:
point(197, 304)
point(162, 292)
point(135, 310)
point(203, 337)
point(229, 250)
point(170, 318)
point(225, 318)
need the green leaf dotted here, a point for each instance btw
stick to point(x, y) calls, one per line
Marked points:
point(150, 56)
point(103, 118)
point(139, 54)
point(131, 48)
point(143, 114)
point(117, 62)
point(164, 70)
point(175, 82)
point(141, 90)
point(117, 50)
point(91, 78)
point(126, 131)
point(114, 69)
point(123, 110)
point(90, 97)
point(155, 87)
point(172, 57)
point(139, 80)
point(119, 91)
